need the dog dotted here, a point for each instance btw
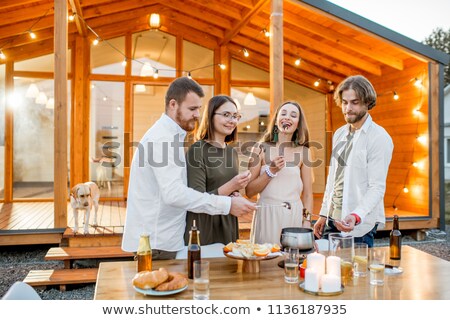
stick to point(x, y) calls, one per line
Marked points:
point(82, 197)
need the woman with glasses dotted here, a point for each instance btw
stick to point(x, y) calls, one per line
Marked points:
point(213, 167)
point(281, 172)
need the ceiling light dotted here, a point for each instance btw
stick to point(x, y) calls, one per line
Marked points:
point(317, 82)
point(154, 21)
point(32, 34)
point(222, 66)
point(96, 41)
point(396, 96)
point(2, 55)
point(147, 70)
point(32, 91)
point(266, 33)
point(250, 99)
point(297, 62)
point(246, 54)
point(72, 17)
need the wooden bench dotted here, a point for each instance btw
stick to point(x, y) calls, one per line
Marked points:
point(69, 254)
point(61, 277)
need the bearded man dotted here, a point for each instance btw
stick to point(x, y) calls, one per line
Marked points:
point(158, 196)
point(353, 201)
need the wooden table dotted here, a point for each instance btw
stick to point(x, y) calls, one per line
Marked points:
point(425, 277)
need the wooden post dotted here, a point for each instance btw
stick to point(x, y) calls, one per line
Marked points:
point(179, 56)
point(276, 55)
point(9, 132)
point(128, 117)
point(222, 77)
point(60, 114)
point(80, 110)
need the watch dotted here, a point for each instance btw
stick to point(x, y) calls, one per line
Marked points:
point(306, 214)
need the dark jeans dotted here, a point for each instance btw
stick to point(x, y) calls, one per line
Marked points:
point(367, 238)
point(163, 255)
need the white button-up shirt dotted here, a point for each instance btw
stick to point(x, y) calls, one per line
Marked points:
point(364, 176)
point(158, 196)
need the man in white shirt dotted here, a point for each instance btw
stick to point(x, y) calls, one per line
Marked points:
point(362, 150)
point(158, 196)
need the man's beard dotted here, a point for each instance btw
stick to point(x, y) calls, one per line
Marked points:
point(187, 125)
point(357, 117)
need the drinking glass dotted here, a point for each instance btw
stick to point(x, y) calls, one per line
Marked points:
point(342, 246)
point(201, 280)
point(376, 266)
point(360, 260)
point(291, 260)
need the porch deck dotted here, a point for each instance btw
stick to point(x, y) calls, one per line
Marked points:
point(33, 223)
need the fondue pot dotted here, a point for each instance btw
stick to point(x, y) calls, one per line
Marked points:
point(297, 238)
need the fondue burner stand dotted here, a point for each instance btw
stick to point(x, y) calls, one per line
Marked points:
point(302, 253)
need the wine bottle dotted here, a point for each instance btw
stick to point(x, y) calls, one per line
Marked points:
point(144, 254)
point(194, 250)
point(395, 241)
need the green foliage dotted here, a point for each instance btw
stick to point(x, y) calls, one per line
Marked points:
point(440, 39)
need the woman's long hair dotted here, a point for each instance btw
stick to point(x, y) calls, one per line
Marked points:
point(301, 134)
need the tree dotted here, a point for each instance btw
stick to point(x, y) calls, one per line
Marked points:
point(440, 39)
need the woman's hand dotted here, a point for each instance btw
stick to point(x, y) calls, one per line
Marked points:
point(240, 181)
point(277, 164)
point(319, 226)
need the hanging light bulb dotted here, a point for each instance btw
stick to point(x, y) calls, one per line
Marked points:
point(297, 62)
point(317, 82)
point(250, 99)
point(32, 91)
point(405, 189)
point(222, 66)
point(418, 82)
point(189, 75)
point(41, 98)
point(72, 17)
point(246, 54)
point(156, 75)
point(32, 34)
point(422, 139)
point(96, 41)
point(396, 96)
point(416, 111)
point(124, 62)
point(266, 33)
point(154, 21)
point(105, 98)
point(2, 55)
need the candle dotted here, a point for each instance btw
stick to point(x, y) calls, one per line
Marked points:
point(316, 261)
point(331, 283)
point(334, 265)
point(311, 280)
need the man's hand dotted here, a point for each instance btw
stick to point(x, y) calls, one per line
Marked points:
point(346, 225)
point(241, 206)
point(319, 226)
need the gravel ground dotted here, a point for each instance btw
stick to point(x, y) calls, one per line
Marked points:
point(17, 261)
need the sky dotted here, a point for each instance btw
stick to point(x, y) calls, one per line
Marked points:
point(417, 22)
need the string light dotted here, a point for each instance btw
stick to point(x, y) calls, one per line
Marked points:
point(317, 82)
point(155, 74)
point(2, 55)
point(189, 75)
point(416, 112)
point(124, 62)
point(72, 17)
point(297, 62)
point(222, 66)
point(418, 82)
point(405, 189)
point(396, 97)
point(266, 32)
point(32, 34)
point(422, 139)
point(246, 54)
point(96, 41)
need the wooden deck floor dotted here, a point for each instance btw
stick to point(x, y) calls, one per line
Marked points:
point(28, 218)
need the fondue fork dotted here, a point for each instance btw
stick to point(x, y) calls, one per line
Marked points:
point(286, 205)
point(329, 219)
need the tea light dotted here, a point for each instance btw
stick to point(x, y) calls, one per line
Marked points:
point(311, 280)
point(334, 265)
point(331, 283)
point(316, 261)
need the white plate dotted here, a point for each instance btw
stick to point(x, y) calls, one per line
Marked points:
point(393, 271)
point(151, 292)
point(271, 255)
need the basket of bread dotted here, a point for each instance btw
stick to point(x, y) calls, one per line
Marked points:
point(159, 282)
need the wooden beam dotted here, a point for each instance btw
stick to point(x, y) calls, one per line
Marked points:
point(79, 19)
point(9, 132)
point(15, 3)
point(276, 55)
point(341, 40)
point(21, 27)
point(250, 14)
point(222, 76)
point(29, 13)
point(109, 8)
point(60, 115)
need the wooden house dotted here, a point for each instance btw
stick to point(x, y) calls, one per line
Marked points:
point(81, 80)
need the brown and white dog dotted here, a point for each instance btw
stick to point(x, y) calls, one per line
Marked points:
point(82, 197)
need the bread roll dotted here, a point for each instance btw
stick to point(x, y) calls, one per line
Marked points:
point(150, 279)
point(175, 281)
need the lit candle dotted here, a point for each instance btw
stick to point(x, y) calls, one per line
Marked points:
point(311, 280)
point(316, 261)
point(334, 265)
point(330, 283)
